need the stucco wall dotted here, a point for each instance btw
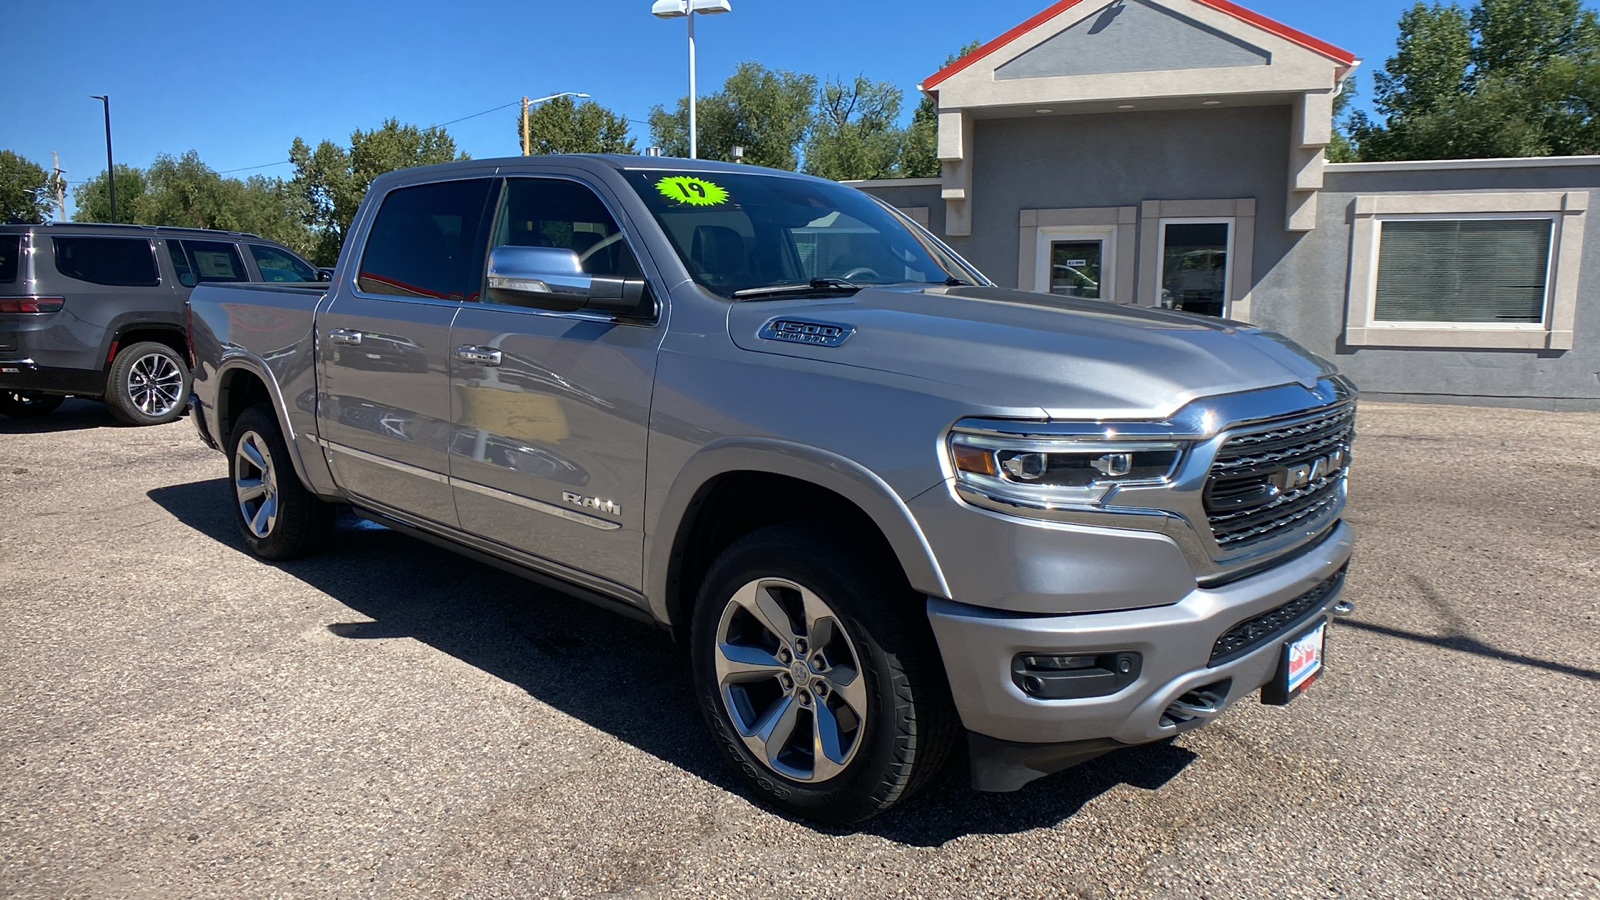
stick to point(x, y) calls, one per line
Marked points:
point(1123, 159)
point(1304, 296)
point(1301, 280)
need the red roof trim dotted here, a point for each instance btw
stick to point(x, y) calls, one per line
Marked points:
point(1338, 54)
point(1273, 26)
point(1055, 9)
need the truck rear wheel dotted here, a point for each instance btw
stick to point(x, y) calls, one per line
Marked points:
point(277, 516)
point(27, 404)
point(148, 384)
point(817, 673)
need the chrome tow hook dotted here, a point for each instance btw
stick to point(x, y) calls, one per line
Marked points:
point(1343, 608)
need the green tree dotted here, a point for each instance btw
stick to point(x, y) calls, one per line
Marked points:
point(24, 189)
point(1342, 149)
point(330, 181)
point(766, 112)
point(563, 126)
point(920, 158)
point(1507, 78)
point(92, 200)
point(854, 134)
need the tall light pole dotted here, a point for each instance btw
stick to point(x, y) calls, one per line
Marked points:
point(527, 103)
point(677, 9)
point(111, 171)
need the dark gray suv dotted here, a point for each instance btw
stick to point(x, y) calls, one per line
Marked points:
point(98, 311)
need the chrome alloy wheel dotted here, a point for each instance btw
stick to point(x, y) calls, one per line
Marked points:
point(791, 680)
point(155, 383)
point(255, 484)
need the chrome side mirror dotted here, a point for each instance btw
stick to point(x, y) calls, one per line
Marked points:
point(553, 278)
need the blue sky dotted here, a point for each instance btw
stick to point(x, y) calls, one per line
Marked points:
point(238, 82)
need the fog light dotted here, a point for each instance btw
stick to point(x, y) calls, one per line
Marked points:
point(1059, 676)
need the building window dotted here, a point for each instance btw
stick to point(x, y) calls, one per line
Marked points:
point(1492, 270)
point(1194, 265)
point(1083, 252)
point(1077, 261)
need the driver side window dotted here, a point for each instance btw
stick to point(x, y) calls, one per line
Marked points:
point(547, 212)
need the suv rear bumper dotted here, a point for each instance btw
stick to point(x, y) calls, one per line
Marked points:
point(1175, 643)
point(25, 375)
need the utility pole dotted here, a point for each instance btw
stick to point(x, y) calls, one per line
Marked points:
point(524, 125)
point(60, 184)
point(111, 170)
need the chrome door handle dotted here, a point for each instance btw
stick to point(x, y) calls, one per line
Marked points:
point(478, 356)
point(344, 336)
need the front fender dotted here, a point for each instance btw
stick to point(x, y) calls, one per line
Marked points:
point(823, 468)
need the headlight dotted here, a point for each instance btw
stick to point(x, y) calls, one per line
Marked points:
point(1058, 473)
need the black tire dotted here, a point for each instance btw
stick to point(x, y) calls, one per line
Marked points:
point(27, 404)
point(148, 384)
point(298, 522)
point(910, 724)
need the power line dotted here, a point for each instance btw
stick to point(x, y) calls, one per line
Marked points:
point(475, 115)
point(284, 162)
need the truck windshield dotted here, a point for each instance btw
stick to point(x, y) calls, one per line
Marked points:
point(747, 236)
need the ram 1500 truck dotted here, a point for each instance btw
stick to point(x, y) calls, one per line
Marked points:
point(884, 503)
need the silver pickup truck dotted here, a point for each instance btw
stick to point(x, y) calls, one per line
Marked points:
point(885, 504)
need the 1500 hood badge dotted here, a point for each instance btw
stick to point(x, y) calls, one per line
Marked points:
point(804, 331)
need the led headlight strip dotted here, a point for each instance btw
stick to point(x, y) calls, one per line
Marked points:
point(1058, 473)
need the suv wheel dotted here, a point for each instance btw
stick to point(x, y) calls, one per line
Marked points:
point(149, 384)
point(27, 404)
point(816, 670)
point(277, 516)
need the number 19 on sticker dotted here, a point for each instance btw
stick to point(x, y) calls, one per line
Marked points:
point(691, 190)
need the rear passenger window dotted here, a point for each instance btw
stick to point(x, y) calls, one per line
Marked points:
point(276, 265)
point(10, 254)
point(119, 262)
point(425, 242)
point(214, 261)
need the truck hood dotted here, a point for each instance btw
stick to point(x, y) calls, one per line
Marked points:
point(1069, 358)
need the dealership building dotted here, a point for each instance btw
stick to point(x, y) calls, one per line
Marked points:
point(1171, 153)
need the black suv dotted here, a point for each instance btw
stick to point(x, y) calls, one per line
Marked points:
point(98, 311)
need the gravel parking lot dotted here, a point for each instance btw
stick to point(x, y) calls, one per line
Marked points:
point(391, 720)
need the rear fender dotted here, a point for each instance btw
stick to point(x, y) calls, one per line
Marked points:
point(304, 452)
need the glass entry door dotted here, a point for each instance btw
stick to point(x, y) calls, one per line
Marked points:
point(1194, 265)
point(1076, 268)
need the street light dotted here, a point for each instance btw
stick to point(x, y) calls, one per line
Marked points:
point(526, 103)
point(676, 9)
point(111, 172)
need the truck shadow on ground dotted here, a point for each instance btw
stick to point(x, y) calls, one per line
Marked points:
point(73, 415)
point(618, 675)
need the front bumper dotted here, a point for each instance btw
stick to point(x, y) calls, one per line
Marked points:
point(1175, 641)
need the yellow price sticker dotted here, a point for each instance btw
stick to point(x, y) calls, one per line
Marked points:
point(691, 190)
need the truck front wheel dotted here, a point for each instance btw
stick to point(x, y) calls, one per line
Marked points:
point(817, 673)
point(277, 516)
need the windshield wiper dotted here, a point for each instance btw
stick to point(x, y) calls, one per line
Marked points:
point(814, 286)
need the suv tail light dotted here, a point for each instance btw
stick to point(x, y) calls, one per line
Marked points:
point(31, 304)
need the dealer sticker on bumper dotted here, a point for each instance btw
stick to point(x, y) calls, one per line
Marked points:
point(1305, 658)
point(1299, 665)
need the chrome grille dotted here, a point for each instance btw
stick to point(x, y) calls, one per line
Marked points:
point(1272, 478)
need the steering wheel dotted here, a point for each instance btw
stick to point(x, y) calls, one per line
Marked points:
point(861, 271)
point(599, 245)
